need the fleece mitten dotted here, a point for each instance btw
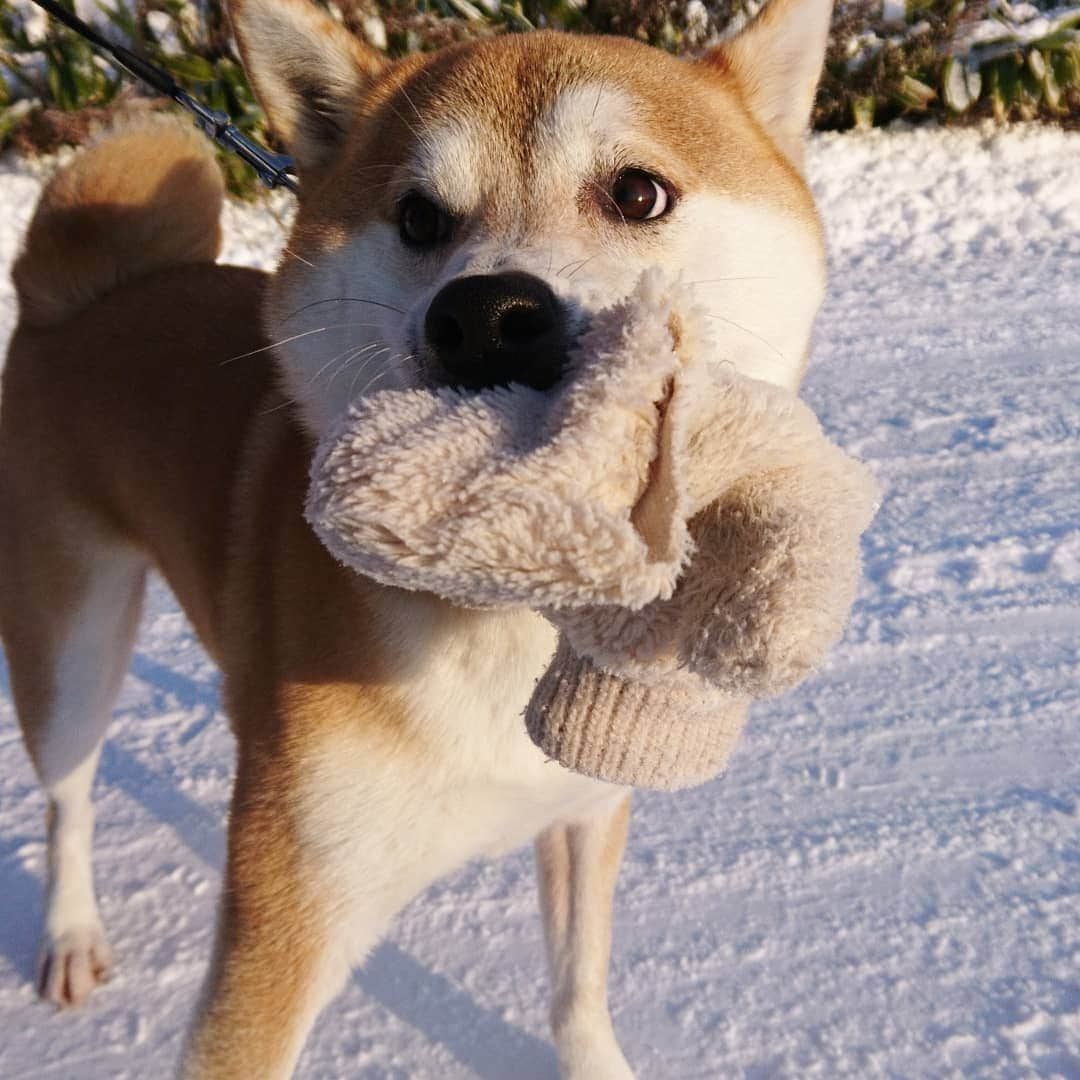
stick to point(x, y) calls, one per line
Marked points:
point(691, 532)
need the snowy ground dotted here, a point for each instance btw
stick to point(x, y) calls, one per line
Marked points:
point(886, 884)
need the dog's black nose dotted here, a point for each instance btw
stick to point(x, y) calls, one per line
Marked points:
point(495, 329)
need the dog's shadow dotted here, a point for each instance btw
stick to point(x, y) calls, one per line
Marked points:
point(477, 1037)
point(21, 910)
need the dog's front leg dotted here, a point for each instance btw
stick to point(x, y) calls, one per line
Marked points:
point(577, 866)
point(272, 970)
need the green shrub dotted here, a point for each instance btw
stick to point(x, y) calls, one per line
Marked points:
point(952, 60)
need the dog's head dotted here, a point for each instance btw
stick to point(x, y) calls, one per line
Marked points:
point(462, 212)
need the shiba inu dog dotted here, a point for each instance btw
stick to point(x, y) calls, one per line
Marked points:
point(460, 215)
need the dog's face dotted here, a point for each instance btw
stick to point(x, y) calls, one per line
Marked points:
point(462, 213)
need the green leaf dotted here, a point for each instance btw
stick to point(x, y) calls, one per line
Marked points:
point(52, 81)
point(913, 93)
point(515, 17)
point(997, 95)
point(862, 112)
point(1008, 81)
point(1056, 40)
point(194, 68)
point(1051, 90)
point(120, 18)
point(467, 10)
point(1029, 95)
point(1066, 68)
point(1069, 73)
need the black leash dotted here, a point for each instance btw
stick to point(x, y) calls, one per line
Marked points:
point(273, 169)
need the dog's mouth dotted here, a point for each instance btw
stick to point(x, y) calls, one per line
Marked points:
point(541, 370)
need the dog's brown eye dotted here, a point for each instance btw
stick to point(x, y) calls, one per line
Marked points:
point(421, 222)
point(639, 196)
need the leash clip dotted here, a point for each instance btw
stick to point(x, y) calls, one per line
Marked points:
point(272, 169)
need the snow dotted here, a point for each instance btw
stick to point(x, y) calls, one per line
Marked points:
point(1017, 24)
point(886, 883)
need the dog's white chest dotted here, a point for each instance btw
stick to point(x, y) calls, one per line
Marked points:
point(469, 691)
point(463, 779)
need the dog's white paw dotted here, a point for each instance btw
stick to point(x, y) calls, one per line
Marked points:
point(72, 964)
point(589, 1051)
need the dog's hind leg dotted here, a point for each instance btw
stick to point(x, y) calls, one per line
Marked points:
point(69, 607)
point(578, 865)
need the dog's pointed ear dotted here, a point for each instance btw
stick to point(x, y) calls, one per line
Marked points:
point(776, 63)
point(308, 72)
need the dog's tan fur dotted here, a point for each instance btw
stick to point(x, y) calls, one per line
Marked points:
point(135, 431)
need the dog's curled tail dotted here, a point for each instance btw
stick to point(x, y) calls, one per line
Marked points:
point(145, 196)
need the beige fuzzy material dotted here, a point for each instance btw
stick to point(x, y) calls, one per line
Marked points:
point(691, 532)
point(673, 733)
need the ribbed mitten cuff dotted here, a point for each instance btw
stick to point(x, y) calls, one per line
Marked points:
point(670, 734)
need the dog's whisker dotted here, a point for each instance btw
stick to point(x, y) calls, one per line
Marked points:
point(356, 375)
point(299, 258)
point(748, 331)
point(372, 345)
point(333, 360)
point(356, 354)
point(610, 198)
point(275, 344)
point(395, 174)
point(584, 263)
point(377, 165)
point(576, 263)
point(718, 280)
point(397, 360)
point(284, 404)
point(349, 360)
point(408, 123)
point(391, 365)
point(596, 103)
point(306, 333)
point(343, 366)
point(421, 136)
point(343, 300)
point(559, 272)
point(381, 375)
point(412, 104)
point(417, 183)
